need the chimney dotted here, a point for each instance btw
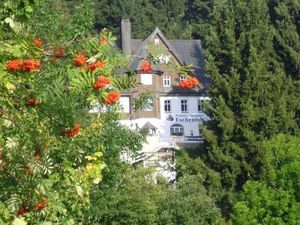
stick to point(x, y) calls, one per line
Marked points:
point(126, 36)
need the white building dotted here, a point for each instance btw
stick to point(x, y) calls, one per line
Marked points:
point(174, 113)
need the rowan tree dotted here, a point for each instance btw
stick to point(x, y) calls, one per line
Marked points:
point(51, 144)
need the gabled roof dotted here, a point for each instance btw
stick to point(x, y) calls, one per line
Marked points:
point(186, 52)
point(158, 32)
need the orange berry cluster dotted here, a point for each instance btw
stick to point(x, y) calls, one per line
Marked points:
point(97, 64)
point(146, 67)
point(41, 205)
point(24, 209)
point(33, 102)
point(38, 207)
point(27, 65)
point(80, 61)
point(111, 98)
point(71, 132)
point(37, 42)
point(189, 82)
point(101, 82)
point(59, 52)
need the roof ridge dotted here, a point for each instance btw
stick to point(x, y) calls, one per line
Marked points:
point(185, 40)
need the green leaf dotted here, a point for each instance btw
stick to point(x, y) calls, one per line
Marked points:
point(28, 9)
point(97, 180)
point(79, 190)
point(10, 22)
point(123, 82)
point(90, 158)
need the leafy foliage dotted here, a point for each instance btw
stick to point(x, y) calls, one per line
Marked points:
point(125, 82)
point(66, 22)
point(189, 204)
point(51, 147)
point(274, 200)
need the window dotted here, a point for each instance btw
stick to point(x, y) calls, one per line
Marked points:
point(199, 105)
point(176, 129)
point(184, 106)
point(146, 79)
point(166, 81)
point(182, 77)
point(167, 105)
point(125, 104)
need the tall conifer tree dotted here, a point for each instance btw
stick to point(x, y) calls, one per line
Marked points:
point(198, 15)
point(285, 17)
point(251, 98)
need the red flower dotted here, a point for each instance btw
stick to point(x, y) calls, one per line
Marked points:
point(37, 42)
point(80, 59)
point(103, 40)
point(24, 209)
point(101, 82)
point(97, 64)
point(14, 65)
point(189, 82)
point(41, 205)
point(31, 65)
point(146, 67)
point(33, 102)
point(112, 98)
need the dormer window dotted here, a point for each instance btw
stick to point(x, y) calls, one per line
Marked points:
point(166, 81)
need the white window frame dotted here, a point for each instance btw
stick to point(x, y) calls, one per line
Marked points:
point(167, 81)
point(184, 105)
point(167, 105)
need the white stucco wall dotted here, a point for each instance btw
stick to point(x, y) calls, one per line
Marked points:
point(189, 120)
